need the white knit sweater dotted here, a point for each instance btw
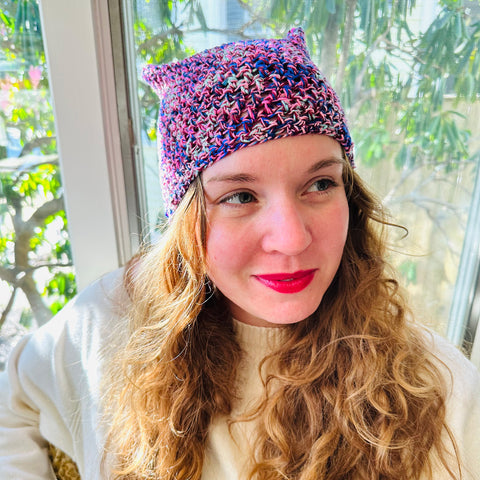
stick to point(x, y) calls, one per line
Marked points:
point(50, 393)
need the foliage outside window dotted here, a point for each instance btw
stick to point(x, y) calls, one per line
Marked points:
point(36, 274)
point(411, 89)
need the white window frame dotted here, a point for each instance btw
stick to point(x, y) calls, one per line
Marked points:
point(79, 56)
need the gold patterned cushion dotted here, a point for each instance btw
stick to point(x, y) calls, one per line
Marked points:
point(63, 466)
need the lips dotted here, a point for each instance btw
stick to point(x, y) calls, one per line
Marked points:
point(287, 282)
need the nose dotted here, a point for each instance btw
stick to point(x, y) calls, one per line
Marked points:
point(286, 229)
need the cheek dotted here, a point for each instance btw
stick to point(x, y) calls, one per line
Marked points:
point(336, 229)
point(344, 220)
point(226, 250)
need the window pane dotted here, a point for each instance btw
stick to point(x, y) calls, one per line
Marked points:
point(408, 74)
point(36, 273)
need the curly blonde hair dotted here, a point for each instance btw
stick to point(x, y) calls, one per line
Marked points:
point(353, 391)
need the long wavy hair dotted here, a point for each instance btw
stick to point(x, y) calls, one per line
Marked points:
point(352, 393)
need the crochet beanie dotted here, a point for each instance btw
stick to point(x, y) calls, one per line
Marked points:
point(236, 95)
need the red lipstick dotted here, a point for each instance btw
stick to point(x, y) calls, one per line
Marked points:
point(287, 282)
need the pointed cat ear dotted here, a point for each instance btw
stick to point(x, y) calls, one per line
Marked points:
point(157, 75)
point(297, 37)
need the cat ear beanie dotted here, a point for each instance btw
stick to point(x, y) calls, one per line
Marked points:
point(236, 95)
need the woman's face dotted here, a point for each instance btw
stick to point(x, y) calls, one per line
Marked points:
point(277, 218)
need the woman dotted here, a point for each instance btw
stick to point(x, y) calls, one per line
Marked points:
point(263, 336)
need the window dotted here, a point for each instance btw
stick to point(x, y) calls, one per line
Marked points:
point(36, 270)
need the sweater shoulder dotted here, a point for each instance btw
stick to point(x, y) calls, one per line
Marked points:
point(460, 373)
point(462, 400)
point(94, 311)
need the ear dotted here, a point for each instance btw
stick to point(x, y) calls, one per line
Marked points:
point(160, 77)
point(297, 37)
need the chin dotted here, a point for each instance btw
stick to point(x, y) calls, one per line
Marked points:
point(276, 318)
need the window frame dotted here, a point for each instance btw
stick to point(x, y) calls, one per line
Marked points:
point(103, 228)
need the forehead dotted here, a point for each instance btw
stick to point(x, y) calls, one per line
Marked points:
point(290, 155)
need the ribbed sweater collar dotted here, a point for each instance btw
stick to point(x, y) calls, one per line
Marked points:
point(258, 341)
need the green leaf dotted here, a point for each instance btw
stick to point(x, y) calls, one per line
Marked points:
point(7, 21)
point(201, 18)
point(26, 318)
point(401, 158)
point(408, 269)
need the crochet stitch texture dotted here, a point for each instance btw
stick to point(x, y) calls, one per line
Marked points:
point(235, 95)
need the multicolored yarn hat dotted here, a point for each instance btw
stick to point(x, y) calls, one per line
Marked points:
point(235, 95)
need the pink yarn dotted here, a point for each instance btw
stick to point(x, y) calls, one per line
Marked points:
point(236, 95)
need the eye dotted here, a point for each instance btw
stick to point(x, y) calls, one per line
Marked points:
point(321, 185)
point(239, 198)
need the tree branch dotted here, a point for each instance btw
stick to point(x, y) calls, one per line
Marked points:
point(43, 212)
point(167, 34)
point(346, 41)
point(9, 275)
point(41, 312)
point(36, 143)
point(19, 165)
point(329, 48)
point(49, 265)
point(24, 231)
point(9, 306)
point(406, 174)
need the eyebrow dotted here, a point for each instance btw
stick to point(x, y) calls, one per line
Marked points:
point(327, 162)
point(234, 178)
point(246, 178)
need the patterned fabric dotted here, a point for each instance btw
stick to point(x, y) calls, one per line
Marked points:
point(235, 95)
